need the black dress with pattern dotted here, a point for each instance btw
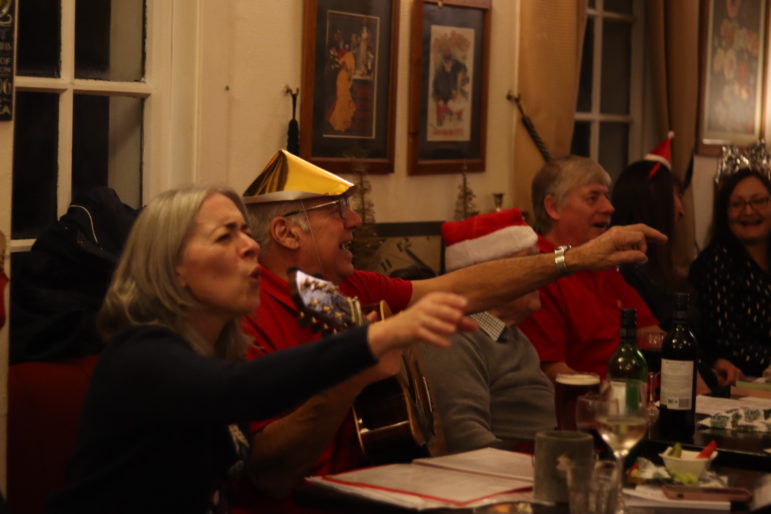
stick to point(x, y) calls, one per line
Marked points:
point(734, 297)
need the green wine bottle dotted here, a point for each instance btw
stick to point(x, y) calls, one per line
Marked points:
point(627, 369)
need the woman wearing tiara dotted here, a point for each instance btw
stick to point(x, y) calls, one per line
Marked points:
point(733, 277)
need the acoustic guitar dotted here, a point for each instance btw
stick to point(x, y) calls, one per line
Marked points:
point(395, 418)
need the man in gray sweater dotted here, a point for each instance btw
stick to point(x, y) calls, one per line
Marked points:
point(488, 386)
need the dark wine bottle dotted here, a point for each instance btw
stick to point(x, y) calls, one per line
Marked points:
point(678, 376)
point(627, 369)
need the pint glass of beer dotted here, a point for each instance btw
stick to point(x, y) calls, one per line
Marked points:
point(567, 388)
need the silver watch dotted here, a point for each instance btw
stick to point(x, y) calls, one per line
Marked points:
point(559, 260)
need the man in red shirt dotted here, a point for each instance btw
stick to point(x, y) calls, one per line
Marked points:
point(301, 218)
point(577, 327)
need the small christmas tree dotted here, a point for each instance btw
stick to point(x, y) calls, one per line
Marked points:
point(464, 205)
point(365, 242)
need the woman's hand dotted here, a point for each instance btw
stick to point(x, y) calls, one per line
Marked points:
point(431, 320)
point(726, 372)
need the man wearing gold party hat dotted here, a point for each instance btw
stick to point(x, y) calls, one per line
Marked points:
point(301, 218)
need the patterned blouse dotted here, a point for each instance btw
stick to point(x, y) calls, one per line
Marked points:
point(734, 298)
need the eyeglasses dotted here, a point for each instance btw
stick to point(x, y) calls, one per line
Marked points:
point(757, 204)
point(342, 205)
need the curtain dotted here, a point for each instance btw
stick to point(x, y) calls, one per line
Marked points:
point(550, 41)
point(673, 40)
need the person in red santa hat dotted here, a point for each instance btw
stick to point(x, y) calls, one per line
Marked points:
point(648, 192)
point(488, 386)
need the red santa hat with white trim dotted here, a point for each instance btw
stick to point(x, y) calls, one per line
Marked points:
point(485, 237)
point(661, 155)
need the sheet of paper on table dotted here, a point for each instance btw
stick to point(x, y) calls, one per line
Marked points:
point(461, 480)
point(653, 496)
point(711, 406)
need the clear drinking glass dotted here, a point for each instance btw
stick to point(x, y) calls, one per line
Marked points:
point(622, 421)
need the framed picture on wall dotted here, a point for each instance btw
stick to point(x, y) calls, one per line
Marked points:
point(448, 86)
point(733, 35)
point(411, 250)
point(348, 86)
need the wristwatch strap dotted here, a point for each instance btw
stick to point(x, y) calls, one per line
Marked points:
point(559, 260)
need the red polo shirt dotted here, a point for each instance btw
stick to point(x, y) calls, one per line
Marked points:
point(579, 319)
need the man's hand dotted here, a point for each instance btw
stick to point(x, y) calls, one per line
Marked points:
point(618, 245)
point(727, 373)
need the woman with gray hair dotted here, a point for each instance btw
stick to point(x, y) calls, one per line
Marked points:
point(159, 429)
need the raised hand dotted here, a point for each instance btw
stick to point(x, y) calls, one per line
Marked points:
point(433, 318)
point(727, 372)
point(618, 245)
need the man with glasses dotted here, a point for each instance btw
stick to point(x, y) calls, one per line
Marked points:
point(302, 219)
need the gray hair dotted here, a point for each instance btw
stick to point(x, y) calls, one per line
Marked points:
point(558, 178)
point(144, 288)
point(261, 214)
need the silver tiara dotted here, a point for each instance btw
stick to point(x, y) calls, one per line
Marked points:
point(734, 158)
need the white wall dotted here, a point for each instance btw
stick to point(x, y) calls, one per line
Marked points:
point(252, 51)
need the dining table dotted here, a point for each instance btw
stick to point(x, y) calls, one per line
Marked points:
point(743, 460)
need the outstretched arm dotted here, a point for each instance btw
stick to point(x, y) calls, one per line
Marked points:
point(491, 283)
point(286, 449)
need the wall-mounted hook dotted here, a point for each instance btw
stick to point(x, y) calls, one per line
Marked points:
point(289, 91)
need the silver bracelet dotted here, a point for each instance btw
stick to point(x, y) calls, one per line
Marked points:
point(559, 260)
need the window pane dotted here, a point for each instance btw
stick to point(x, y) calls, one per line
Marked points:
point(39, 38)
point(109, 39)
point(584, 103)
point(581, 138)
point(107, 145)
point(614, 147)
point(34, 163)
point(619, 6)
point(616, 62)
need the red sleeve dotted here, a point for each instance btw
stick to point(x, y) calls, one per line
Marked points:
point(370, 287)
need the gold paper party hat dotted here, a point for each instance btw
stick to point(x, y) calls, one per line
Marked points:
point(287, 177)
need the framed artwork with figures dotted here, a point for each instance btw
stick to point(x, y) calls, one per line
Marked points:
point(348, 89)
point(733, 60)
point(448, 86)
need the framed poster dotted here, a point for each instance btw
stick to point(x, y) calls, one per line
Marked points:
point(348, 86)
point(448, 86)
point(733, 44)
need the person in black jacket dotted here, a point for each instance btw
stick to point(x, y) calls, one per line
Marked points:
point(60, 283)
point(647, 192)
point(159, 429)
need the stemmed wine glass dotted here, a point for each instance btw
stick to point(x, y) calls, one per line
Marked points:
point(619, 415)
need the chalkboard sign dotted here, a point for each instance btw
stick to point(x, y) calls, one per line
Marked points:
point(6, 59)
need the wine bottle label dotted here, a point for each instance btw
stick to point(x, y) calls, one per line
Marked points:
point(677, 384)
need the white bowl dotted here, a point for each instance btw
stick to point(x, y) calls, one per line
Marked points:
point(687, 462)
